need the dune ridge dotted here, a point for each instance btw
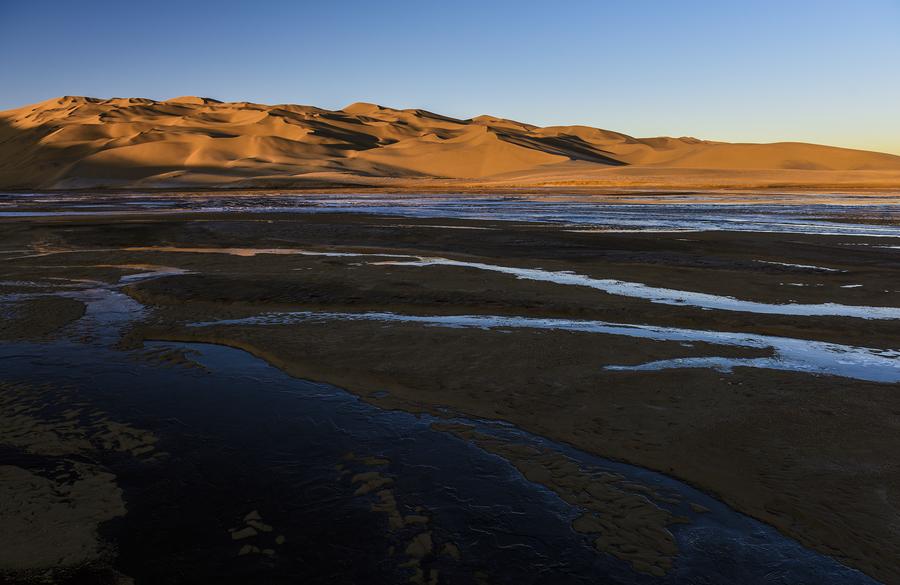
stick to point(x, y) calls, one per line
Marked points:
point(76, 142)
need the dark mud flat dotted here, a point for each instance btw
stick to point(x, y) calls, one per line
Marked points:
point(243, 446)
point(530, 396)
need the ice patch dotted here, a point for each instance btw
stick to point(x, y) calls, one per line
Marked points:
point(667, 296)
point(797, 355)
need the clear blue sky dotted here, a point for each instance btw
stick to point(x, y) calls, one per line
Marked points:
point(814, 70)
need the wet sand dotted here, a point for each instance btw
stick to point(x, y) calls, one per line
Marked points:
point(34, 317)
point(55, 495)
point(809, 454)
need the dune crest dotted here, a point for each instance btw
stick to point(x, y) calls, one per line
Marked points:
point(189, 141)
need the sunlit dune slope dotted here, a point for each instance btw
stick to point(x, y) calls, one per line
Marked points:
point(80, 142)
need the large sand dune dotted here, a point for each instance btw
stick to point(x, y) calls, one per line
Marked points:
point(188, 142)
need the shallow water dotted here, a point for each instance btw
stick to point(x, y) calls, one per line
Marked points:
point(655, 213)
point(271, 442)
point(685, 215)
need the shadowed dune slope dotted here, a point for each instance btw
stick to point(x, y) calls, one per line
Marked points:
point(81, 142)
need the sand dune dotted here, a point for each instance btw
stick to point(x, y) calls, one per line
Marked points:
point(80, 142)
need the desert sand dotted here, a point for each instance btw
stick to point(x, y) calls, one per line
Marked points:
point(192, 142)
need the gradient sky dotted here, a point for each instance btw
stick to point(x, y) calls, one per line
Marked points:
point(756, 71)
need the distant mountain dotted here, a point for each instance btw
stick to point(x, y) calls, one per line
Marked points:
point(81, 142)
